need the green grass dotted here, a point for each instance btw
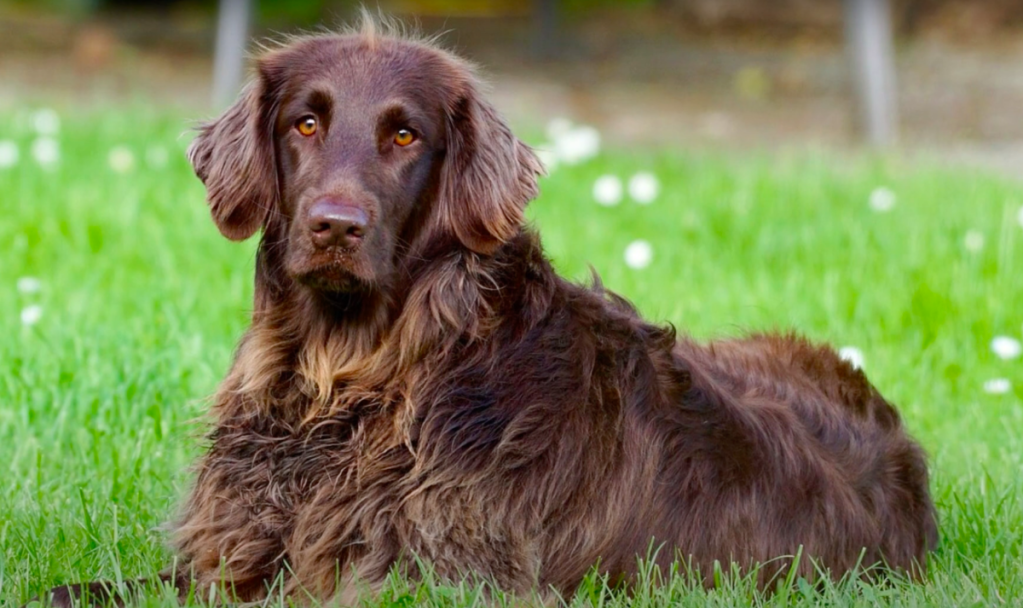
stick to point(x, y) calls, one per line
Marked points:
point(101, 401)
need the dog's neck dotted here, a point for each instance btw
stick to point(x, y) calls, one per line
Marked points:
point(339, 349)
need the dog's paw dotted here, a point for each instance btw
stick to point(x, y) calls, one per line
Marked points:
point(83, 595)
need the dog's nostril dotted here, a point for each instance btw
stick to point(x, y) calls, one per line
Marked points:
point(332, 223)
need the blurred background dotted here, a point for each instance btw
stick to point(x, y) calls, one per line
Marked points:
point(940, 76)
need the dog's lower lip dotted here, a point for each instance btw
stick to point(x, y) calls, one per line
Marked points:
point(333, 276)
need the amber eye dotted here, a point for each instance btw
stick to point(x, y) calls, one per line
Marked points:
point(404, 137)
point(306, 126)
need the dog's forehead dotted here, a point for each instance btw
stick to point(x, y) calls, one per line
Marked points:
point(355, 67)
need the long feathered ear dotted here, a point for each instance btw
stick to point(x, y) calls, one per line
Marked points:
point(488, 177)
point(234, 156)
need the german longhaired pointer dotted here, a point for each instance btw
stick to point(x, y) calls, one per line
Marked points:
point(418, 385)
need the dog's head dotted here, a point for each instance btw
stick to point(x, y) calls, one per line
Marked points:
point(350, 151)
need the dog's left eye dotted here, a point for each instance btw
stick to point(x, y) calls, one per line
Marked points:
point(306, 125)
point(404, 137)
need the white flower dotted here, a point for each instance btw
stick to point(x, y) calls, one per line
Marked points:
point(1006, 347)
point(644, 187)
point(607, 190)
point(46, 122)
point(973, 241)
point(578, 144)
point(997, 386)
point(1019, 217)
point(558, 127)
point(121, 159)
point(156, 156)
point(29, 285)
point(30, 315)
point(46, 151)
point(639, 254)
point(8, 154)
point(570, 144)
point(853, 355)
point(882, 199)
point(547, 157)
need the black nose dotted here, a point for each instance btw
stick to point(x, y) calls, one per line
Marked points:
point(335, 224)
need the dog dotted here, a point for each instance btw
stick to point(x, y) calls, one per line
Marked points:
point(418, 385)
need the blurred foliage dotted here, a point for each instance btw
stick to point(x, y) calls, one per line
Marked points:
point(978, 16)
point(75, 7)
point(309, 12)
point(299, 12)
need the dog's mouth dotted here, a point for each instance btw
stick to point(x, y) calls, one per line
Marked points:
point(336, 271)
point(334, 278)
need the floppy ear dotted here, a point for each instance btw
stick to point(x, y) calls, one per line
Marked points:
point(234, 156)
point(488, 177)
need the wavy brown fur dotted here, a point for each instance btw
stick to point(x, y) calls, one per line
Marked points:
point(467, 406)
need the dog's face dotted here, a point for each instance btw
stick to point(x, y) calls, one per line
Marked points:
point(359, 144)
point(349, 151)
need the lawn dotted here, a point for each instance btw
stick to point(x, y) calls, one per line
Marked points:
point(108, 357)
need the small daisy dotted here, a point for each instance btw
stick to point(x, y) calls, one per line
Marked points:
point(1006, 348)
point(558, 127)
point(997, 386)
point(577, 145)
point(46, 121)
point(121, 159)
point(547, 157)
point(882, 199)
point(8, 154)
point(30, 315)
point(46, 151)
point(644, 187)
point(853, 355)
point(28, 285)
point(607, 190)
point(639, 254)
point(156, 156)
point(974, 241)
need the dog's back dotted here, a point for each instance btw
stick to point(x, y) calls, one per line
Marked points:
point(797, 452)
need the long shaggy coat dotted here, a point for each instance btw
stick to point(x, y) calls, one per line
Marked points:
point(430, 389)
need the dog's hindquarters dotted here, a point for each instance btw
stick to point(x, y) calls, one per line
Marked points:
point(786, 448)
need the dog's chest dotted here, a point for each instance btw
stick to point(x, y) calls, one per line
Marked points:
point(283, 474)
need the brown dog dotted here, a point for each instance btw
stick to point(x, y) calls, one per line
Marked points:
point(418, 382)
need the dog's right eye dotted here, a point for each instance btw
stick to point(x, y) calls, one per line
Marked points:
point(306, 125)
point(404, 137)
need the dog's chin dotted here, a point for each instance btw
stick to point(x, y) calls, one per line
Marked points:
point(334, 278)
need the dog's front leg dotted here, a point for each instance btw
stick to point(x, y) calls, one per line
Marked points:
point(109, 593)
